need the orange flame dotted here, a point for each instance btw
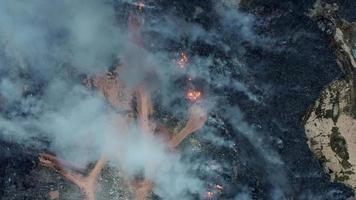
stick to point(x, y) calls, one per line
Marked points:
point(210, 194)
point(194, 95)
point(183, 60)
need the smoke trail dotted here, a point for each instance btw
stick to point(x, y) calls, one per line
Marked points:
point(49, 46)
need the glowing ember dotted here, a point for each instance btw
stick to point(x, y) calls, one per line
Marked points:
point(182, 62)
point(139, 5)
point(210, 194)
point(194, 95)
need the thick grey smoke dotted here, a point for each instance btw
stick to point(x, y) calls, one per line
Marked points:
point(40, 35)
point(45, 41)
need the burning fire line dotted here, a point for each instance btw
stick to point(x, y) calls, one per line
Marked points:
point(194, 95)
point(141, 188)
point(214, 191)
point(183, 60)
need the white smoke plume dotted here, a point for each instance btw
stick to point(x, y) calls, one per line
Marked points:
point(45, 44)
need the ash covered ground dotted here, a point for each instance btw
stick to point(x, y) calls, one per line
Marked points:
point(261, 64)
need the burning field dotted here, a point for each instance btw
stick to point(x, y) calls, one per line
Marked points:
point(123, 99)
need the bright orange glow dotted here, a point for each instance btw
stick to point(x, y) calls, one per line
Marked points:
point(194, 95)
point(183, 60)
point(140, 5)
point(210, 194)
